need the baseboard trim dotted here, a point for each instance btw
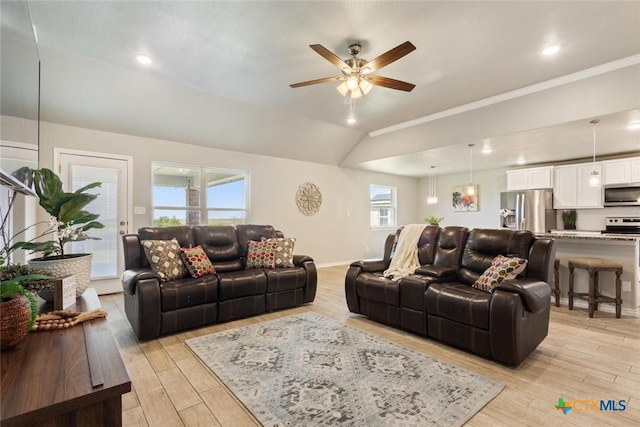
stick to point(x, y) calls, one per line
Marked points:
point(604, 307)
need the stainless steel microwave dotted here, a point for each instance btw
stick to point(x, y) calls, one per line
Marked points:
point(622, 196)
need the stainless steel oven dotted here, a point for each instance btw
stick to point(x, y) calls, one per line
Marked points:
point(622, 225)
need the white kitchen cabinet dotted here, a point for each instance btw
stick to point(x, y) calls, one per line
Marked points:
point(571, 187)
point(616, 172)
point(530, 178)
point(635, 170)
point(621, 171)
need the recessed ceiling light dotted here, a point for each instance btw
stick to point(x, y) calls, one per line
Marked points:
point(486, 150)
point(551, 50)
point(521, 161)
point(351, 120)
point(143, 59)
point(634, 126)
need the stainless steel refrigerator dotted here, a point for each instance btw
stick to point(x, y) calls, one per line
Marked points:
point(528, 210)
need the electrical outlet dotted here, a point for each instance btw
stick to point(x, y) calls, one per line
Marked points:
point(139, 210)
point(626, 286)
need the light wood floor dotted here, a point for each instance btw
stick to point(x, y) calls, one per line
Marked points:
point(581, 358)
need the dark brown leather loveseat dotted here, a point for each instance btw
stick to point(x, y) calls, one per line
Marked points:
point(438, 300)
point(155, 308)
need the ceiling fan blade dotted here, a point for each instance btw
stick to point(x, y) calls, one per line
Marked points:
point(330, 56)
point(314, 82)
point(390, 83)
point(390, 56)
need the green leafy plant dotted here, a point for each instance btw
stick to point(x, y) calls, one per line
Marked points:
point(433, 220)
point(32, 279)
point(68, 222)
point(569, 218)
point(12, 288)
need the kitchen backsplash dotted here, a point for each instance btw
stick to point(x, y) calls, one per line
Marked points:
point(593, 219)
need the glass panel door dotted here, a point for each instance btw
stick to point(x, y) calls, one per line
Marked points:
point(111, 204)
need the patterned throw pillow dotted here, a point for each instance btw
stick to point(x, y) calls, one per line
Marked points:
point(502, 268)
point(164, 258)
point(261, 254)
point(284, 250)
point(196, 261)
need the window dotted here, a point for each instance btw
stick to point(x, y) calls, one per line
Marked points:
point(382, 201)
point(178, 198)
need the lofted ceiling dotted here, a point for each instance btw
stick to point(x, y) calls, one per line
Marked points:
point(221, 72)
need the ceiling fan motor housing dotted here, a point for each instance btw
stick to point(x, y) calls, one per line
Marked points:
point(354, 49)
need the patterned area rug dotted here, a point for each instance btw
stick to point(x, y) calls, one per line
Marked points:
point(310, 370)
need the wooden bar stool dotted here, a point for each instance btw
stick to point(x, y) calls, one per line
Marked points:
point(556, 277)
point(594, 266)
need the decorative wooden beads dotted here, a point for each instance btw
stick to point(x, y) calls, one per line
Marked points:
point(62, 319)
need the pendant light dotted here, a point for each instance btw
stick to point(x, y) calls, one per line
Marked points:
point(594, 177)
point(432, 198)
point(471, 189)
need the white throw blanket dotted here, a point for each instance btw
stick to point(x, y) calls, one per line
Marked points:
point(405, 259)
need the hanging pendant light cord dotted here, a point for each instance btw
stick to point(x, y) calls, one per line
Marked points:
point(594, 123)
point(471, 163)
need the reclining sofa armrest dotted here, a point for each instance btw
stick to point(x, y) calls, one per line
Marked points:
point(311, 282)
point(299, 260)
point(377, 266)
point(131, 277)
point(436, 271)
point(535, 293)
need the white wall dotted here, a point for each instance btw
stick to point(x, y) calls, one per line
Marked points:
point(338, 233)
point(490, 184)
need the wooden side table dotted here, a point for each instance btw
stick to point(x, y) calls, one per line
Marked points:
point(65, 377)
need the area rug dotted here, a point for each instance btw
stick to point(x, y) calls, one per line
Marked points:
point(310, 370)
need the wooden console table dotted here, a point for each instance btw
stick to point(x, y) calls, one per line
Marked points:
point(69, 377)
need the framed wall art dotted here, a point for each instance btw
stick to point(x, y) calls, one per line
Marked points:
point(462, 202)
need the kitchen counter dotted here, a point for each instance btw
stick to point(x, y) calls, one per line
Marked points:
point(624, 248)
point(590, 235)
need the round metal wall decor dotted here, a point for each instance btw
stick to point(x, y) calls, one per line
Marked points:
point(308, 198)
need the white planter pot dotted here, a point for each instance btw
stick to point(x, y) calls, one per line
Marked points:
point(76, 264)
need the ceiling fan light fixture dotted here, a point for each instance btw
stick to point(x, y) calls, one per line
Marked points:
point(342, 88)
point(356, 93)
point(365, 86)
point(352, 82)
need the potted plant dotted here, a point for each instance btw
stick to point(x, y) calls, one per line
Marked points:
point(18, 308)
point(68, 222)
point(433, 220)
point(32, 278)
point(569, 219)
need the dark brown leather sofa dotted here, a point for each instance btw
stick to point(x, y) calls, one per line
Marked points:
point(232, 292)
point(438, 301)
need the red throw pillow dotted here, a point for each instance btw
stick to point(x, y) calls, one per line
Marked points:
point(196, 261)
point(261, 254)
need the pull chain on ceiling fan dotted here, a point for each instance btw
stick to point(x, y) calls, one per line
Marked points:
point(356, 76)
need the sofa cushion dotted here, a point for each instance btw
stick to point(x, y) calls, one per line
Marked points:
point(220, 243)
point(502, 268)
point(282, 279)
point(375, 287)
point(248, 232)
point(187, 292)
point(283, 251)
point(236, 284)
point(196, 261)
point(164, 259)
point(261, 254)
point(483, 245)
point(458, 302)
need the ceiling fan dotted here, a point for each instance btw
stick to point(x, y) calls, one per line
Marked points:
point(356, 76)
